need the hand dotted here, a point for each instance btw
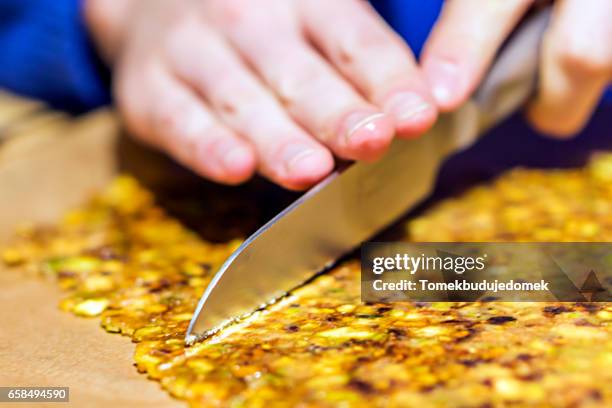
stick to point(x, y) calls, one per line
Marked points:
point(228, 87)
point(576, 57)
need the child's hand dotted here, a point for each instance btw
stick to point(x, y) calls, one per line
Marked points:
point(232, 86)
point(576, 63)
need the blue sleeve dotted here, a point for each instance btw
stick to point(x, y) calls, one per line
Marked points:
point(411, 19)
point(46, 53)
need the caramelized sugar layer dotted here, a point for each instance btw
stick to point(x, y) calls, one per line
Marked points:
point(122, 260)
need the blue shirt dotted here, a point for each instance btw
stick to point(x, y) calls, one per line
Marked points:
point(46, 53)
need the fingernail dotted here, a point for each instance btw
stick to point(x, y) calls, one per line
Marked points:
point(359, 121)
point(235, 158)
point(406, 105)
point(295, 154)
point(444, 79)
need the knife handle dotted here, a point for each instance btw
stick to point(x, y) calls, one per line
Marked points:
point(512, 78)
point(509, 83)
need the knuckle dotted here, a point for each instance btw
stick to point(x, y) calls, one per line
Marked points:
point(371, 37)
point(180, 124)
point(300, 83)
point(556, 130)
point(168, 117)
point(229, 11)
point(238, 103)
point(584, 60)
point(371, 49)
point(211, 144)
point(557, 126)
point(181, 130)
point(174, 121)
point(368, 30)
point(309, 81)
point(241, 16)
point(179, 32)
point(584, 64)
point(231, 82)
point(131, 110)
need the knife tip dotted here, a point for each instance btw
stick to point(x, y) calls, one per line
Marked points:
point(190, 339)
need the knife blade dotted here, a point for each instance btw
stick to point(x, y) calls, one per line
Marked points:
point(350, 206)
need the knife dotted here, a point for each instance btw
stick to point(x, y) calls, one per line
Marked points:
point(352, 205)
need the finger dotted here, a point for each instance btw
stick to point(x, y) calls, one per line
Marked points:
point(463, 44)
point(576, 66)
point(375, 59)
point(163, 112)
point(287, 154)
point(314, 94)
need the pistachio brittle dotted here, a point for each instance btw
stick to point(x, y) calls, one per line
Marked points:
point(122, 259)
